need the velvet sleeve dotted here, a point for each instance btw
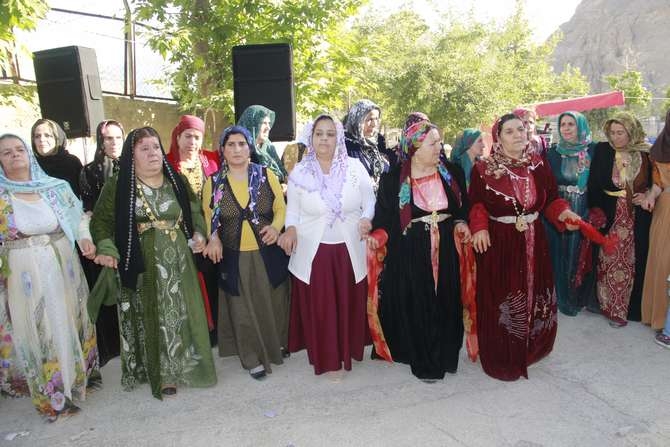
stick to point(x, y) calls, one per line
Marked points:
point(554, 205)
point(197, 215)
point(460, 189)
point(479, 215)
point(102, 222)
point(386, 207)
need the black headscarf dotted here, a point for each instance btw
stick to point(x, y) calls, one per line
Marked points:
point(126, 235)
point(59, 163)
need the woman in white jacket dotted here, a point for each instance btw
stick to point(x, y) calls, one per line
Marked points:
point(330, 207)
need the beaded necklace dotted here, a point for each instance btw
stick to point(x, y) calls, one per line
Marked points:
point(521, 224)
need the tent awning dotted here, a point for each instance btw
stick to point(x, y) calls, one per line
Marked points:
point(600, 101)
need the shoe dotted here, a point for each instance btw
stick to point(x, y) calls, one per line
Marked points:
point(169, 390)
point(663, 340)
point(258, 373)
point(429, 380)
point(617, 323)
point(284, 353)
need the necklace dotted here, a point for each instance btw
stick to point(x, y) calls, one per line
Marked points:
point(155, 223)
point(194, 175)
point(521, 224)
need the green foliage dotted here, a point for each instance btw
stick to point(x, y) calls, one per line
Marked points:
point(16, 15)
point(638, 98)
point(198, 36)
point(666, 104)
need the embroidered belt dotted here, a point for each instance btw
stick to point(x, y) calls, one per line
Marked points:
point(620, 193)
point(573, 189)
point(157, 224)
point(39, 240)
point(529, 218)
point(433, 218)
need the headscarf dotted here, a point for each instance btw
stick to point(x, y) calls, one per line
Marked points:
point(54, 192)
point(410, 141)
point(634, 129)
point(252, 118)
point(367, 149)
point(579, 148)
point(660, 151)
point(356, 121)
point(100, 161)
point(459, 153)
point(255, 177)
point(126, 236)
point(312, 178)
point(209, 167)
point(498, 161)
point(58, 163)
point(524, 114)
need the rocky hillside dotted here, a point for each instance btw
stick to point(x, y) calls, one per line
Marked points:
point(608, 36)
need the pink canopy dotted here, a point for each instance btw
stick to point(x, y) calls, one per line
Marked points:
point(600, 101)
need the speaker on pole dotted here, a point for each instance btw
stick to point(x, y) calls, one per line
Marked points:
point(68, 86)
point(263, 74)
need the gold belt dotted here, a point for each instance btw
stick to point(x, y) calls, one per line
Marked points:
point(164, 225)
point(620, 193)
point(433, 218)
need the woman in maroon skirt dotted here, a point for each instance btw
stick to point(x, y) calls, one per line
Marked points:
point(516, 301)
point(330, 206)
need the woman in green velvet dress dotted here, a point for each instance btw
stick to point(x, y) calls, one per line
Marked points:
point(164, 337)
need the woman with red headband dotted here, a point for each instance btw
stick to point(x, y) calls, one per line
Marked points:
point(516, 301)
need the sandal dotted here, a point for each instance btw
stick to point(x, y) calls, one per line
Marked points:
point(169, 390)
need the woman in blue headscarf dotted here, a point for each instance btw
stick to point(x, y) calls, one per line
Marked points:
point(468, 147)
point(47, 341)
point(570, 161)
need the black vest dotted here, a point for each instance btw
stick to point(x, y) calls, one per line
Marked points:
point(231, 218)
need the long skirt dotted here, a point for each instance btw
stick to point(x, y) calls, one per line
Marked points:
point(47, 341)
point(616, 271)
point(254, 325)
point(328, 315)
point(655, 295)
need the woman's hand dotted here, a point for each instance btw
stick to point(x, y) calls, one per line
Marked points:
point(288, 240)
point(571, 215)
point(364, 227)
point(269, 234)
point(87, 248)
point(197, 243)
point(481, 241)
point(214, 249)
point(462, 230)
point(106, 261)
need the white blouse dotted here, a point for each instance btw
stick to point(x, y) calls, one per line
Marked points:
point(307, 212)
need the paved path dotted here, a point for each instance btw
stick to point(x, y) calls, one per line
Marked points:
point(600, 387)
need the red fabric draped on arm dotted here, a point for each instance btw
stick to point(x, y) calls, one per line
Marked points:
point(468, 274)
point(375, 260)
point(553, 210)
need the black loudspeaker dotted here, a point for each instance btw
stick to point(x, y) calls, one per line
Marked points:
point(263, 74)
point(68, 86)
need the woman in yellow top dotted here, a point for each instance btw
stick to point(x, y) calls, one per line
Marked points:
point(248, 215)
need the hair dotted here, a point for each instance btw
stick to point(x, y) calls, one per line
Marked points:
point(143, 132)
point(7, 136)
point(503, 119)
point(321, 118)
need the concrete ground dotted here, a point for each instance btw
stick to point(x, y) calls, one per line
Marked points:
point(600, 387)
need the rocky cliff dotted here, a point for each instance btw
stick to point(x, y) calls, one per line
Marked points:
point(608, 36)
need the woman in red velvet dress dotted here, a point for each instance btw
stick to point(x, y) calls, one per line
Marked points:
point(516, 301)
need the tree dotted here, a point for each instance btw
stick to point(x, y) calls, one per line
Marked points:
point(462, 74)
point(638, 100)
point(16, 15)
point(198, 36)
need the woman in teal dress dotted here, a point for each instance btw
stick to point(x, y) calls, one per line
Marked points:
point(570, 162)
point(164, 335)
point(468, 148)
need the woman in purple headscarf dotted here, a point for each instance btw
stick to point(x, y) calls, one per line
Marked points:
point(329, 212)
